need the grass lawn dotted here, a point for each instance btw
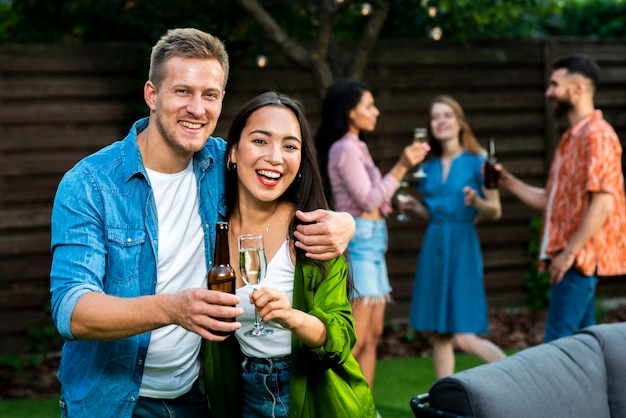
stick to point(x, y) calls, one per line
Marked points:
point(397, 381)
point(29, 408)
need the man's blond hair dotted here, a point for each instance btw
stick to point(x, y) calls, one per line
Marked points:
point(186, 43)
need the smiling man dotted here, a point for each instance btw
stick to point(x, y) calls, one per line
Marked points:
point(133, 235)
point(583, 203)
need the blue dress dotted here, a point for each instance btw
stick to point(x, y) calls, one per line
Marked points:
point(448, 291)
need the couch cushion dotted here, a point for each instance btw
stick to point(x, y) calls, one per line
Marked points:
point(612, 339)
point(564, 378)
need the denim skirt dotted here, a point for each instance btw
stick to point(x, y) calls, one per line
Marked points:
point(367, 255)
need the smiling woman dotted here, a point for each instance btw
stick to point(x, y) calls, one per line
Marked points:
point(268, 154)
point(307, 349)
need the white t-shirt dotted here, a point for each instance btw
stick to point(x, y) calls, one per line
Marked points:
point(172, 363)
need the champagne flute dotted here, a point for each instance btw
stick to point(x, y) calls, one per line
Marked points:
point(419, 135)
point(253, 267)
point(403, 196)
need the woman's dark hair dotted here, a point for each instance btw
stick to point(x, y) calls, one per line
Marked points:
point(342, 97)
point(306, 192)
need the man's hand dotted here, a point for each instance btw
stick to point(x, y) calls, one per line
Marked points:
point(105, 318)
point(327, 234)
point(199, 310)
point(560, 265)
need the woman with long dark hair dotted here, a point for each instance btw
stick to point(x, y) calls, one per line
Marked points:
point(272, 173)
point(357, 186)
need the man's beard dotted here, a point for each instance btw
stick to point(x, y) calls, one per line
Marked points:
point(561, 107)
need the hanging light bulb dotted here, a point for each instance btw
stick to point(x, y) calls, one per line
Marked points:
point(261, 60)
point(338, 1)
point(424, 3)
point(366, 9)
point(432, 11)
point(436, 33)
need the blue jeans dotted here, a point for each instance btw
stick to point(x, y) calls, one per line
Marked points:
point(190, 405)
point(266, 387)
point(571, 305)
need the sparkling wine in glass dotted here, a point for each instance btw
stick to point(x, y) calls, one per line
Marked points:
point(253, 267)
point(419, 135)
point(402, 196)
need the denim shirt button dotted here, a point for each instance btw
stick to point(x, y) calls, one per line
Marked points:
point(132, 398)
point(140, 362)
point(155, 242)
point(129, 240)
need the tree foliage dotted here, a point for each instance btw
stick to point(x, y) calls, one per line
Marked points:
point(325, 59)
point(37, 21)
point(323, 22)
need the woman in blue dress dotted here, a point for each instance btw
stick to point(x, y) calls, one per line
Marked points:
point(449, 298)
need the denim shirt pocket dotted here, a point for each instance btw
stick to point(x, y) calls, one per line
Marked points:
point(124, 247)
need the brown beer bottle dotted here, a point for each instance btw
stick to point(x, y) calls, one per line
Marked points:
point(491, 175)
point(221, 277)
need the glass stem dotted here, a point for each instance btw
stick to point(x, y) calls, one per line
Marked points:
point(257, 318)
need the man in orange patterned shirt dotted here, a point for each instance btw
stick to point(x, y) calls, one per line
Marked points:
point(583, 203)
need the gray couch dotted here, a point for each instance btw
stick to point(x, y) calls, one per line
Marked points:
point(583, 375)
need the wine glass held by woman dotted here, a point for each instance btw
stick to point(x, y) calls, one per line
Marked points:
point(273, 172)
point(449, 298)
point(358, 187)
point(252, 267)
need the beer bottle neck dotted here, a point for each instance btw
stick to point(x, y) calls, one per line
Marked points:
point(222, 256)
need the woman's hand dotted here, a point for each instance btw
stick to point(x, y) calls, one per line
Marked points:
point(470, 195)
point(414, 154)
point(273, 305)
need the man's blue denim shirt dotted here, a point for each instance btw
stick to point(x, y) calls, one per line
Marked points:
point(104, 239)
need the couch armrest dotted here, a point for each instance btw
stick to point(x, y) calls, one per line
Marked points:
point(564, 378)
point(612, 339)
point(421, 409)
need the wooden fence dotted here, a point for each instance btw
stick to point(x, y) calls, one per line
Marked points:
point(60, 103)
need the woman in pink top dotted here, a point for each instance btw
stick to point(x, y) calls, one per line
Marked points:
point(356, 185)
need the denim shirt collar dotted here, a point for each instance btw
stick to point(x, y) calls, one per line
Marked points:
point(134, 165)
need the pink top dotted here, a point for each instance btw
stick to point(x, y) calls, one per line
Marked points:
point(357, 184)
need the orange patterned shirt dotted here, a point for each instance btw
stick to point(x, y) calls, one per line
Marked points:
point(588, 159)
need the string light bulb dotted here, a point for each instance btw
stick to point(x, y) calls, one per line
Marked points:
point(261, 60)
point(432, 11)
point(436, 33)
point(366, 9)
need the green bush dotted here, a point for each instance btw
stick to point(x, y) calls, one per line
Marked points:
point(536, 283)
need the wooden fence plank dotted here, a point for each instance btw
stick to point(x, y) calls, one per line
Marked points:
point(87, 112)
point(53, 88)
point(54, 138)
